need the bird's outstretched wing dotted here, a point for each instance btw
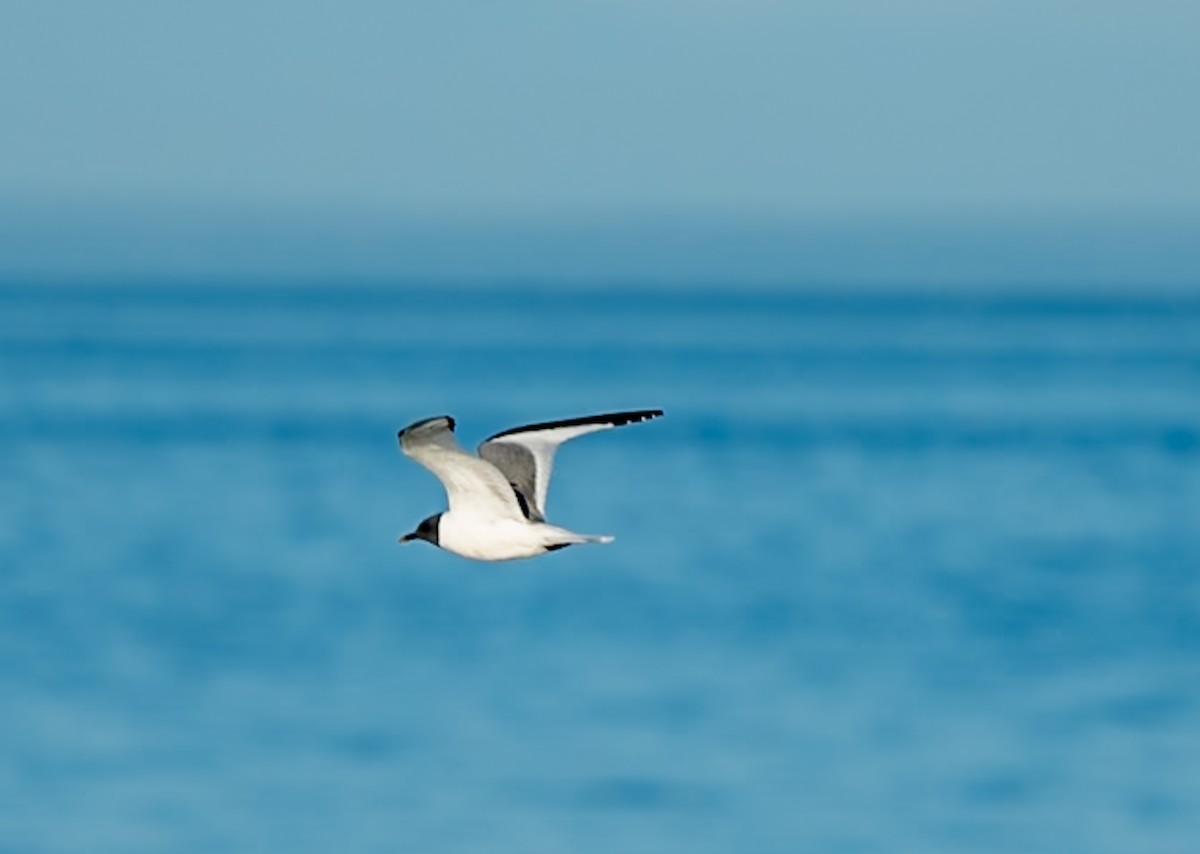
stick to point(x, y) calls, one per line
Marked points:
point(525, 455)
point(473, 486)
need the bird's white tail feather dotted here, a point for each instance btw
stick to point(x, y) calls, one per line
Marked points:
point(571, 538)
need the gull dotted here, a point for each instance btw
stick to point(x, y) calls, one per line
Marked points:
point(498, 499)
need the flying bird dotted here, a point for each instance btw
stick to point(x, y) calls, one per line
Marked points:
point(498, 499)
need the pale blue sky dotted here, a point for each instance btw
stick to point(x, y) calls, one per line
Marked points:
point(537, 107)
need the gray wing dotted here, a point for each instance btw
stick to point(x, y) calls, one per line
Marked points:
point(473, 486)
point(525, 455)
point(519, 464)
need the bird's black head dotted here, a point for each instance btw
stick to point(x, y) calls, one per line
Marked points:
point(427, 530)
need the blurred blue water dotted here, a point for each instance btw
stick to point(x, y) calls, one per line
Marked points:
point(898, 572)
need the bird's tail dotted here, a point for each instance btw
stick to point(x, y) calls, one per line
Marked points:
point(561, 537)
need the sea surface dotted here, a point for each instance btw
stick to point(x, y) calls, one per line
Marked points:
point(900, 571)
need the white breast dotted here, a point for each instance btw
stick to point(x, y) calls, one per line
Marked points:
point(481, 538)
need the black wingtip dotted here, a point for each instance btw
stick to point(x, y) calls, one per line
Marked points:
point(616, 419)
point(447, 418)
point(620, 419)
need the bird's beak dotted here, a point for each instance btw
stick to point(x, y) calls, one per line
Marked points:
point(408, 538)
